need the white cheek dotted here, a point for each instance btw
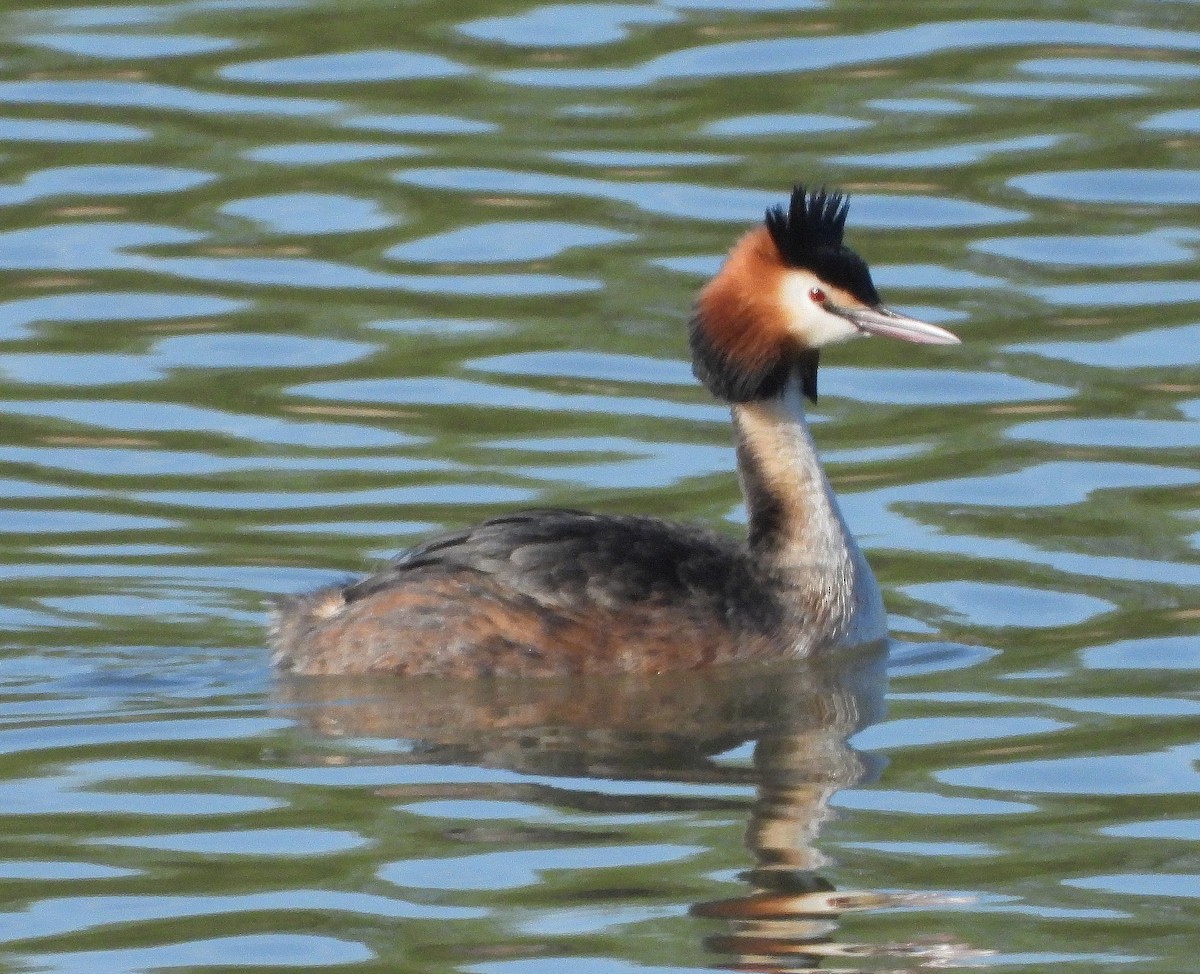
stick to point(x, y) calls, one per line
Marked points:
point(807, 320)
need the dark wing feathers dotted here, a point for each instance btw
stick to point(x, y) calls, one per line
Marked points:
point(574, 559)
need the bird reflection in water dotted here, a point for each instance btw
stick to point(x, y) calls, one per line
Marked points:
point(672, 728)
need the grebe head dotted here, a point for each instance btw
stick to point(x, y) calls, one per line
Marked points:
point(787, 289)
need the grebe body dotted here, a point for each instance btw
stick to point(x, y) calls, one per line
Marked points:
point(555, 592)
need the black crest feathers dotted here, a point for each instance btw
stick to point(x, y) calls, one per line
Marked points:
point(808, 235)
point(814, 221)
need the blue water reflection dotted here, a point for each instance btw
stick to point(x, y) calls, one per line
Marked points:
point(291, 286)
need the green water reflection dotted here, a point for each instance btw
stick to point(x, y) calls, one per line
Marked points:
point(288, 286)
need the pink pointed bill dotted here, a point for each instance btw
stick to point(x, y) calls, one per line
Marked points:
point(881, 321)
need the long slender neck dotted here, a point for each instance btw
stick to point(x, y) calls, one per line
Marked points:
point(797, 533)
point(794, 517)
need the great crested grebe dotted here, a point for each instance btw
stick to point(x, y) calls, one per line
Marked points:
point(554, 592)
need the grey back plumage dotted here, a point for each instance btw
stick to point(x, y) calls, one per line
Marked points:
point(571, 559)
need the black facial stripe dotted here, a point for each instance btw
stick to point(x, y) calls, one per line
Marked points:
point(840, 311)
point(845, 270)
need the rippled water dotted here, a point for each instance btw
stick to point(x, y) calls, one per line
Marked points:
point(288, 285)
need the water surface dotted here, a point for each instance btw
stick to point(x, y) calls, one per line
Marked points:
point(291, 284)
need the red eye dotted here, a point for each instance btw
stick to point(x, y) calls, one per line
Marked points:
point(817, 295)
